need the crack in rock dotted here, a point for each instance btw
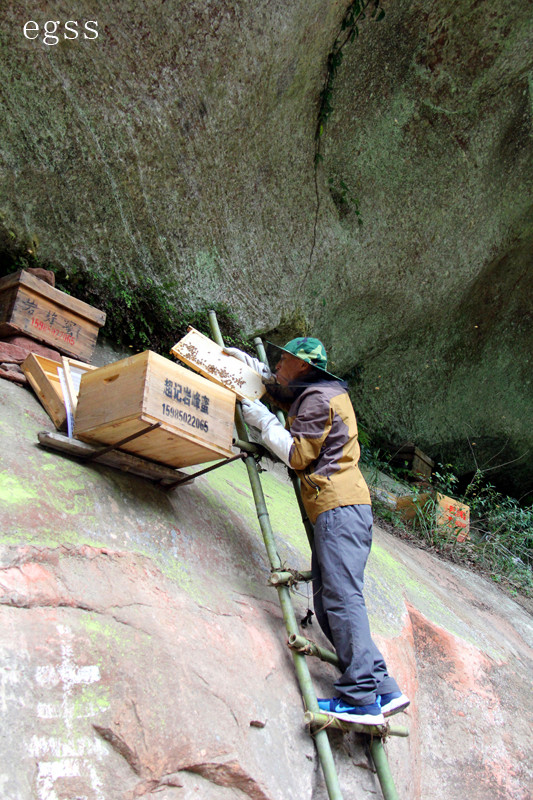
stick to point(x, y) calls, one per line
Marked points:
point(152, 786)
point(231, 775)
point(121, 747)
point(28, 604)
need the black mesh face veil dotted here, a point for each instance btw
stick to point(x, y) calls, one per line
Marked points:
point(274, 353)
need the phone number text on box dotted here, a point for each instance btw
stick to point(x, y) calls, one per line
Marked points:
point(183, 416)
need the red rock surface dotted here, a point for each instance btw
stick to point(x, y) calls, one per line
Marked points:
point(45, 275)
point(14, 350)
point(17, 348)
point(143, 653)
point(12, 372)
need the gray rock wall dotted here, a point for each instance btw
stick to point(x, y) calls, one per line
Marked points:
point(176, 145)
point(431, 134)
point(179, 146)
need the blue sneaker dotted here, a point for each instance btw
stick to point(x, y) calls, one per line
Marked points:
point(392, 703)
point(363, 715)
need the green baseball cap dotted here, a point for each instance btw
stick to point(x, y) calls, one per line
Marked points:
point(307, 348)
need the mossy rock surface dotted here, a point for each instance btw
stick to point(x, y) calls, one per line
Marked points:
point(143, 650)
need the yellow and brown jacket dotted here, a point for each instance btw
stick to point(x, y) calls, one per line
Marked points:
point(325, 453)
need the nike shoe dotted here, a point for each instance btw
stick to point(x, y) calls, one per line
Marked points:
point(363, 715)
point(392, 703)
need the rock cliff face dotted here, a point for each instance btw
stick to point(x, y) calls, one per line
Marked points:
point(179, 146)
point(142, 653)
point(431, 138)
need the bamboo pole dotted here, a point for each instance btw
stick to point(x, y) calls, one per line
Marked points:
point(383, 770)
point(261, 352)
point(321, 738)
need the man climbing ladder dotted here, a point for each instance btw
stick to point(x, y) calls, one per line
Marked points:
point(320, 444)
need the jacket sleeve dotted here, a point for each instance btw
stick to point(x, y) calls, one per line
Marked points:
point(309, 430)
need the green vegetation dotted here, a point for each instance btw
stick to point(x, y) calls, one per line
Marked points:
point(500, 541)
point(349, 30)
point(141, 314)
point(344, 199)
point(145, 314)
point(504, 533)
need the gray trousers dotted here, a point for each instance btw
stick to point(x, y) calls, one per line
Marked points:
point(343, 537)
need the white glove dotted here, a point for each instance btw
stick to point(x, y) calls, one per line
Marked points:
point(250, 361)
point(256, 413)
point(278, 440)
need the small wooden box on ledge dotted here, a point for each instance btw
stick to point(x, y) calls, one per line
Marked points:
point(419, 464)
point(30, 306)
point(124, 398)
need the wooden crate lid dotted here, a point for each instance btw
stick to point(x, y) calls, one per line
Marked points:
point(23, 278)
point(208, 358)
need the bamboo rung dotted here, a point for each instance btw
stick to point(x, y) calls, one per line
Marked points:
point(323, 720)
point(278, 578)
point(309, 648)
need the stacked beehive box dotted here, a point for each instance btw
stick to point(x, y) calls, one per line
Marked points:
point(194, 415)
point(32, 307)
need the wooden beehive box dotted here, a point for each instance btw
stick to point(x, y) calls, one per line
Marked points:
point(420, 465)
point(124, 398)
point(454, 516)
point(407, 506)
point(208, 358)
point(29, 305)
point(43, 375)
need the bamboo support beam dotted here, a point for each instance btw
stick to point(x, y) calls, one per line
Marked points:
point(93, 456)
point(261, 352)
point(381, 763)
point(300, 664)
point(194, 475)
point(117, 459)
point(309, 648)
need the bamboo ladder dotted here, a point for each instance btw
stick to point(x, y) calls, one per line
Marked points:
point(300, 646)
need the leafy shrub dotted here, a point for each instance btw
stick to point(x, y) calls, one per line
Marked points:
point(501, 529)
